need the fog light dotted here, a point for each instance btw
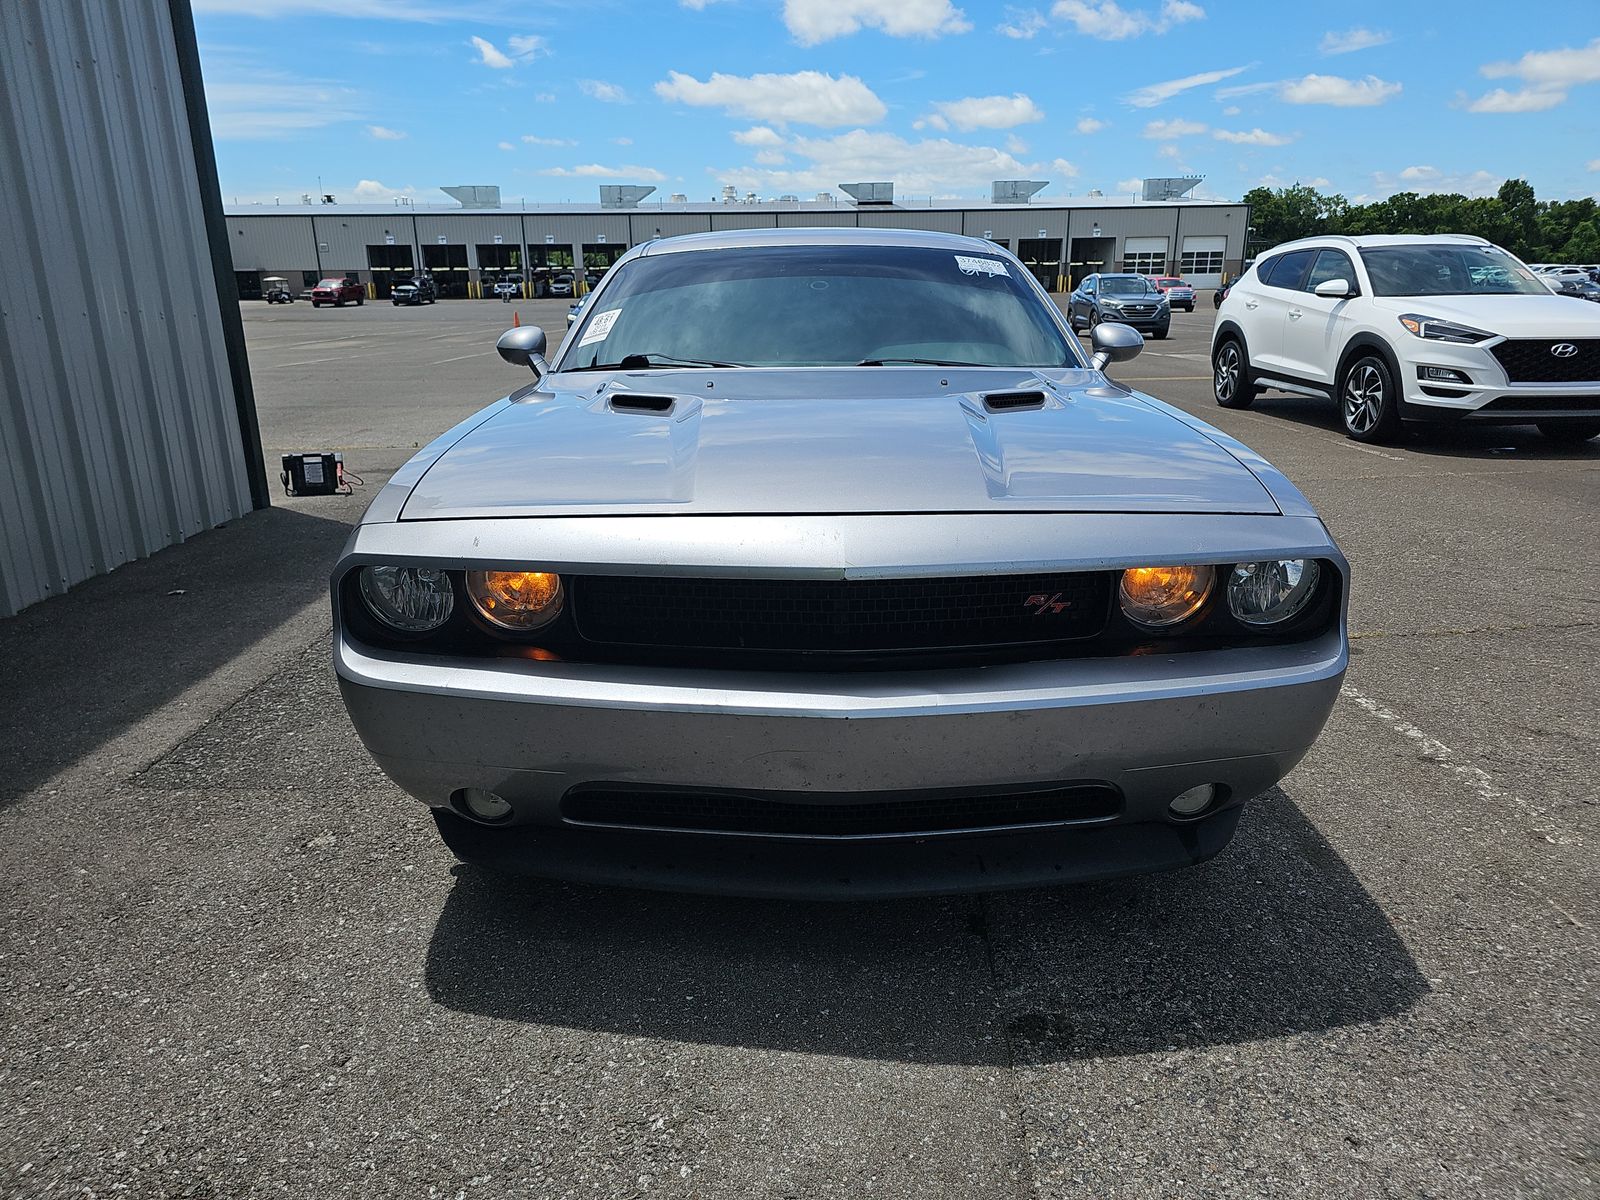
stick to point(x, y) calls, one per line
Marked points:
point(1444, 375)
point(483, 805)
point(1193, 802)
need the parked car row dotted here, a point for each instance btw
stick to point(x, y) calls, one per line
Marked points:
point(1410, 328)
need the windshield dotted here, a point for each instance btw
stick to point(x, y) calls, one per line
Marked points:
point(331, 283)
point(1125, 285)
point(1448, 271)
point(804, 306)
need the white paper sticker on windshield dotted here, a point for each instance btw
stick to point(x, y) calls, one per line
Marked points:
point(600, 327)
point(980, 266)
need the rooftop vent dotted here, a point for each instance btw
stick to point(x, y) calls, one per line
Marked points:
point(869, 193)
point(1016, 191)
point(474, 195)
point(627, 195)
point(1171, 187)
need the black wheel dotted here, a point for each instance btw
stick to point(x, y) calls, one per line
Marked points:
point(1160, 334)
point(360, 300)
point(1230, 375)
point(1369, 401)
point(316, 304)
point(1569, 433)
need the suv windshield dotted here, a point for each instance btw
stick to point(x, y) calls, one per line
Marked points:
point(1448, 271)
point(1125, 285)
point(805, 306)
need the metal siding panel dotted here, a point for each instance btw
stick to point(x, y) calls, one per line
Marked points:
point(274, 244)
point(816, 220)
point(936, 221)
point(670, 224)
point(744, 220)
point(116, 444)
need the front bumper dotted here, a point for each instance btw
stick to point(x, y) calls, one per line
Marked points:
point(1485, 396)
point(1151, 727)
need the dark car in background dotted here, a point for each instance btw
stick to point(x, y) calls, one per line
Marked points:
point(338, 291)
point(1130, 299)
point(417, 290)
point(1221, 293)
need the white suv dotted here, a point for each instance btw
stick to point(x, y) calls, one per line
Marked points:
point(1418, 328)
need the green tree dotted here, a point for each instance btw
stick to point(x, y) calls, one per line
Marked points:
point(1584, 244)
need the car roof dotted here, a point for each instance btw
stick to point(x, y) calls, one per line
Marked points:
point(817, 236)
point(1371, 240)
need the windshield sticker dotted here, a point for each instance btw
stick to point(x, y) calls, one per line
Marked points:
point(600, 327)
point(980, 266)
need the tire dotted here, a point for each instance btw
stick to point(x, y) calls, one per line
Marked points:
point(1369, 400)
point(1570, 433)
point(1231, 385)
point(316, 304)
point(360, 300)
point(1160, 334)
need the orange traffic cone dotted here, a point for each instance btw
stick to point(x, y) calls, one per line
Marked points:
point(516, 320)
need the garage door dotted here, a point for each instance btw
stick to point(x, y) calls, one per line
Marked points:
point(1145, 255)
point(1201, 263)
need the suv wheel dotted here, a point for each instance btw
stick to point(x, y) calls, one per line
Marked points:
point(1569, 433)
point(1369, 401)
point(1230, 379)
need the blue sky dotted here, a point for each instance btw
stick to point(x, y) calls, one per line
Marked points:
point(549, 98)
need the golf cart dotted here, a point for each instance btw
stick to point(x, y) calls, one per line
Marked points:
point(276, 290)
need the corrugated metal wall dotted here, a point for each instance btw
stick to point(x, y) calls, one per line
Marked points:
point(119, 428)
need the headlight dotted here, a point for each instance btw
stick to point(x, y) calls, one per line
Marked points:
point(1157, 597)
point(1435, 330)
point(516, 600)
point(1270, 593)
point(410, 599)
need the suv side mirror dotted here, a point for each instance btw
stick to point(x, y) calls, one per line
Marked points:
point(1335, 289)
point(1114, 342)
point(524, 346)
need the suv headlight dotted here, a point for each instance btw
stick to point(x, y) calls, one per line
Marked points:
point(1436, 330)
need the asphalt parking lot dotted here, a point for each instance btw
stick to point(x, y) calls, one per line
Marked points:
point(237, 962)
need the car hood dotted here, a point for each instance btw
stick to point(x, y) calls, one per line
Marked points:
point(1542, 317)
point(821, 440)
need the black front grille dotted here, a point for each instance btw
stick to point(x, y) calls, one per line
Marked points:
point(1137, 310)
point(876, 814)
point(1514, 404)
point(1529, 360)
point(841, 616)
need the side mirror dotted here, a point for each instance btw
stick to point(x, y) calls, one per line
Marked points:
point(1335, 289)
point(1114, 342)
point(524, 347)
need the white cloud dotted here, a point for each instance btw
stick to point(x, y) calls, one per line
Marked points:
point(606, 93)
point(929, 165)
point(1155, 93)
point(534, 139)
point(255, 105)
point(813, 21)
point(1021, 23)
point(545, 97)
point(806, 97)
point(1594, 164)
point(1523, 100)
point(759, 135)
point(1272, 180)
point(1338, 91)
point(1233, 110)
point(372, 190)
point(989, 112)
point(384, 134)
point(1353, 39)
point(1175, 128)
point(506, 146)
point(1252, 137)
point(1552, 69)
point(1089, 125)
point(622, 141)
point(1062, 167)
point(490, 56)
point(1127, 185)
point(1428, 180)
point(598, 171)
point(1015, 145)
point(527, 45)
point(771, 158)
point(1110, 22)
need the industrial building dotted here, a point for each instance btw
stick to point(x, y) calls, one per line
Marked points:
point(468, 249)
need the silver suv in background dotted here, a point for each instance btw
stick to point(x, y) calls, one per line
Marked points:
point(1420, 328)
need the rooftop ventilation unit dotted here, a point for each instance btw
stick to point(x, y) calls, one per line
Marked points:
point(474, 195)
point(678, 198)
point(1016, 191)
point(869, 193)
point(626, 195)
point(1172, 187)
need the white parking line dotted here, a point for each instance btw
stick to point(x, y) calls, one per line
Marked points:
point(457, 358)
point(1348, 444)
point(1476, 778)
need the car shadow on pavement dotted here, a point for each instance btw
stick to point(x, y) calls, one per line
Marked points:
point(1443, 440)
point(1276, 936)
point(79, 669)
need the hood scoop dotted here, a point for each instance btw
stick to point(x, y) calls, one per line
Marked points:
point(1012, 401)
point(636, 402)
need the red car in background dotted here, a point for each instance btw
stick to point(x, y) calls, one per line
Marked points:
point(337, 291)
point(1179, 294)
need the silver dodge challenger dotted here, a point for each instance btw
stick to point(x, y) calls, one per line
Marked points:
point(823, 562)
